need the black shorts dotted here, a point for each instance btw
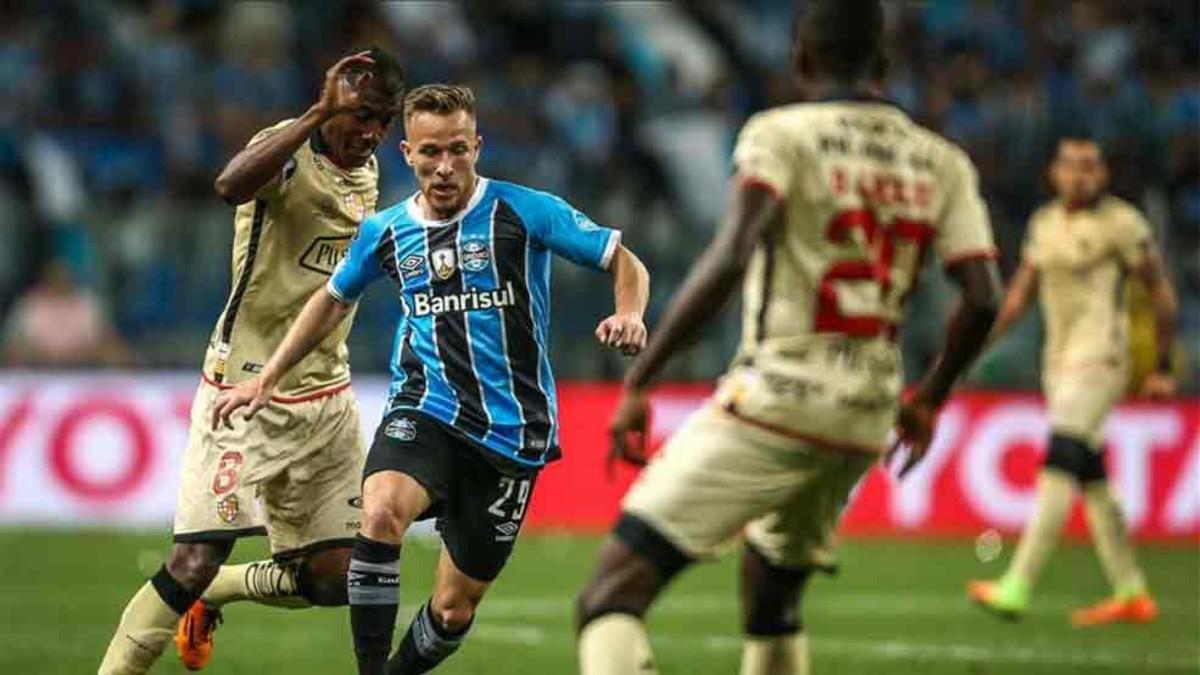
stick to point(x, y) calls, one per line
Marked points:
point(479, 498)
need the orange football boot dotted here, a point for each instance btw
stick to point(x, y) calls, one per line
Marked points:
point(1136, 609)
point(194, 635)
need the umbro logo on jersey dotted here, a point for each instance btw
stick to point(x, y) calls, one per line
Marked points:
point(412, 266)
point(444, 262)
point(401, 429)
point(426, 303)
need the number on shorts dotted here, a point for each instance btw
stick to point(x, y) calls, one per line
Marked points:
point(507, 486)
point(227, 472)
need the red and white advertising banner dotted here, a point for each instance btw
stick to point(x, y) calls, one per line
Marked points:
point(84, 449)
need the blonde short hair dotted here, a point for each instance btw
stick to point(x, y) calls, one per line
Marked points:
point(440, 99)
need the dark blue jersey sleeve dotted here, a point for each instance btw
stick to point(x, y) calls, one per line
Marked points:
point(569, 233)
point(361, 265)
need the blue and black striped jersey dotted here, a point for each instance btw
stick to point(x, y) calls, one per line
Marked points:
point(472, 346)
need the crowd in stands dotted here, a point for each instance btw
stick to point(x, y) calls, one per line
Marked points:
point(115, 115)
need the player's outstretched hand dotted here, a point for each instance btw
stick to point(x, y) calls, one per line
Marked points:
point(338, 93)
point(914, 430)
point(625, 332)
point(629, 429)
point(1158, 386)
point(251, 394)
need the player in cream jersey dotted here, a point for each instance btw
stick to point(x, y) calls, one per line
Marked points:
point(287, 241)
point(868, 194)
point(302, 187)
point(836, 203)
point(1080, 250)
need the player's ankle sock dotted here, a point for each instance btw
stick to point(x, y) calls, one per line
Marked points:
point(615, 644)
point(264, 581)
point(775, 655)
point(373, 585)
point(1055, 491)
point(1113, 545)
point(426, 644)
point(147, 625)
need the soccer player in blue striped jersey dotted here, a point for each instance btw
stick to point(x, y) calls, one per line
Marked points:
point(471, 414)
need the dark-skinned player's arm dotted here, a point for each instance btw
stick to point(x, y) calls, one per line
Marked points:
point(754, 210)
point(260, 164)
point(625, 328)
point(1016, 300)
point(1161, 383)
point(978, 280)
point(321, 314)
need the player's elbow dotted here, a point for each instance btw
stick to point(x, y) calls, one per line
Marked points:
point(226, 189)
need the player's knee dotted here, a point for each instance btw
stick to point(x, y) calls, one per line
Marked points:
point(771, 595)
point(454, 611)
point(635, 564)
point(323, 577)
point(1075, 458)
point(386, 519)
point(194, 565)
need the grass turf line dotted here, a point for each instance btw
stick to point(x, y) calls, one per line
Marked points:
point(897, 606)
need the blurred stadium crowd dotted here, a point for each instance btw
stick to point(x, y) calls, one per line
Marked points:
point(115, 115)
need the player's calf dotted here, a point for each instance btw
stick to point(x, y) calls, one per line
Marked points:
point(194, 565)
point(635, 565)
point(441, 625)
point(391, 502)
point(771, 616)
point(322, 577)
point(149, 620)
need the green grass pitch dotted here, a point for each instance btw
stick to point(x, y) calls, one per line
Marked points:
point(896, 607)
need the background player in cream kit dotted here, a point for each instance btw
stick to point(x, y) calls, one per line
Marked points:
point(302, 187)
point(836, 202)
point(1081, 249)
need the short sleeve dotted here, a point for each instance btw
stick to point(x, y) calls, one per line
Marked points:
point(1133, 238)
point(1029, 247)
point(964, 229)
point(360, 267)
point(762, 156)
point(568, 232)
point(278, 184)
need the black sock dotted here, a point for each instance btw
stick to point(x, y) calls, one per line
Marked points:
point(177, 596)
point(425, 645)
point(373, 586)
